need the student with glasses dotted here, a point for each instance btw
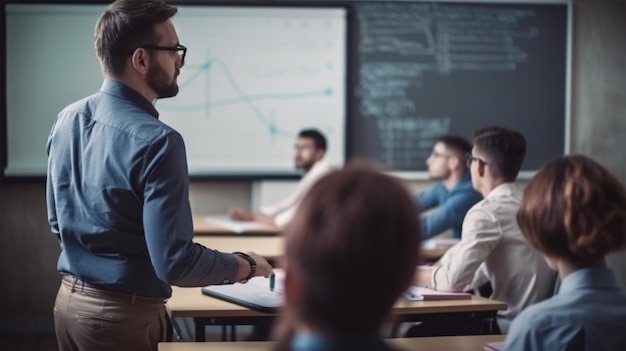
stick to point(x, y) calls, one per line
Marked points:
point(117, 193)
point(492, 247)
point(453, 195)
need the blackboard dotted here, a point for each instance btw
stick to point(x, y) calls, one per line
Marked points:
point(381, 79)
point(423, 69)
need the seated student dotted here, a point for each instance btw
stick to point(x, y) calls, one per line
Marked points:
point(453, 194)
point(350, 253)
point(574, 213)
point(492, 247)
point(309, 150)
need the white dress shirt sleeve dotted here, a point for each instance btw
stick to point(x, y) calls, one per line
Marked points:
point(283, 211)
point(481, 234)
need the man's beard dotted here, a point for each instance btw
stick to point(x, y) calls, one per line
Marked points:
point(304, 166)
point(158, 80)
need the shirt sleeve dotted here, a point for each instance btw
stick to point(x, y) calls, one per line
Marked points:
point(168, 224)
point(426, 199)
point(284, 210)
point(481, 234)
point(50, 197)
point(449, 214)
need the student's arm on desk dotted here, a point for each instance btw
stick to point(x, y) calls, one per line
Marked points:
point(448, 215)
point(481, 235)
point(424, 275)
point(240, 214)
point(426, 199)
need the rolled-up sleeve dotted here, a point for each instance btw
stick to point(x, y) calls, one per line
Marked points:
point(481, 234)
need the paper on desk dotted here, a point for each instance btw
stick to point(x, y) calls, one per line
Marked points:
point(237, 226)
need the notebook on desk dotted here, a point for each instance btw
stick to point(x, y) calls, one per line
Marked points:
point(255, 294)
point(494, 346)
point(420, 293)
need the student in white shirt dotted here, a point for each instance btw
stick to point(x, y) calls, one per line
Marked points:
point(492, 248)
point(574, 213)
point(309, 151)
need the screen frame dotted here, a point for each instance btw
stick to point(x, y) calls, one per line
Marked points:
point(252, 175)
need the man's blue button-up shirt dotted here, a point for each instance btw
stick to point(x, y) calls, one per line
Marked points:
point(117, 195)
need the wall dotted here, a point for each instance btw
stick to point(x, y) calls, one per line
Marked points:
point(28, 252)
point(599, 90)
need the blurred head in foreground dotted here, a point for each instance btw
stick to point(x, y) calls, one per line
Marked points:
point(350, 253)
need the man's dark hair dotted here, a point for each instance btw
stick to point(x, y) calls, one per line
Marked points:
point(318, 138)
point(455, 143)
point(125, 25)
point(503, 149)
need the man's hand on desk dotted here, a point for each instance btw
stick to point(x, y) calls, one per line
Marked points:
point(239, 214)
point(262, 267)
point(423, 276)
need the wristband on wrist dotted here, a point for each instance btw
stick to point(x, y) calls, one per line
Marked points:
point(252, 263)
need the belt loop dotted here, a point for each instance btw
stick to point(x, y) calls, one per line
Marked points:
point(74, 284)
point(132, 299)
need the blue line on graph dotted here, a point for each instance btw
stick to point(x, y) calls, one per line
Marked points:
point(242, 96)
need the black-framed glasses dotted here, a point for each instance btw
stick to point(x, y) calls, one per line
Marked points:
point(180, 49)
point(469, 158)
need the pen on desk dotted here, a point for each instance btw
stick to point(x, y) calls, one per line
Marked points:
point(272, 281)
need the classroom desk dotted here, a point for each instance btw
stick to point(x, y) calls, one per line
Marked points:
point(269, 247)
point(205, 310)
point(272, 247)
point(203, 227)
point(442, 343)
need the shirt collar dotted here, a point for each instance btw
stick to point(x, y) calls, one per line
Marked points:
point(503, 189)
point(122, 91)
point(589, 278)
point(315, 341)
point(465, 180)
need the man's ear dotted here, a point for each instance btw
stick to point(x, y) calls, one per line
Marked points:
point(140, 61)
point(453, 163)
point(480, 168)
point(319, 154)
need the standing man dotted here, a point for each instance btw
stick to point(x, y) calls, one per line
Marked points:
point(309, 153)
point(453, 194)
point(117, 193)
point(493, 247)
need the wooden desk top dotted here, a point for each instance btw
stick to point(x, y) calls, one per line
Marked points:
point(272, 247)
point(190, 302)
point(203, 227)
point(269, 247)
point(442, 343)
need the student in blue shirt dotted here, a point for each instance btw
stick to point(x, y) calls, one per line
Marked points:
point(453, 194)
point(350, 253)
point(574, 213)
